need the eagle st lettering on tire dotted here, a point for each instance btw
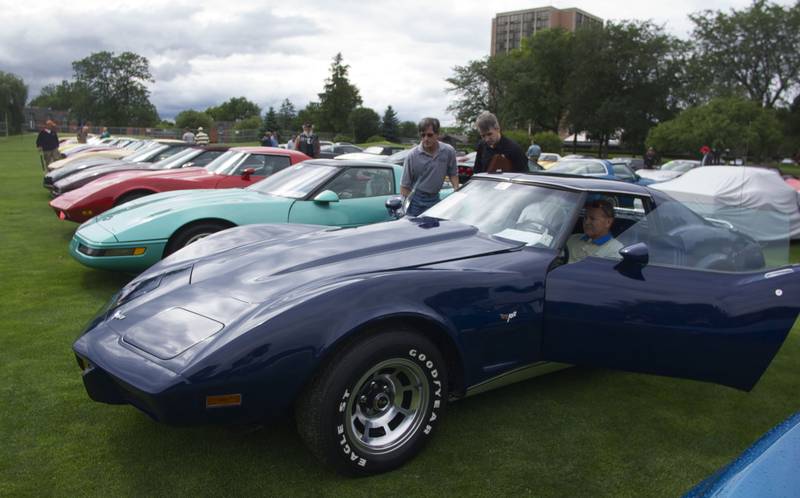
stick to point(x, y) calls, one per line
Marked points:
point(376, 403)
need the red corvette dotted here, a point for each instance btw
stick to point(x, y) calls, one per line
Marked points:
point(239, 167)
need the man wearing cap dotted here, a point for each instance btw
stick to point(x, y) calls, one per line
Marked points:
point(534, 151)
point(596, 239)
point(201, 138)
point(307, 142)
point(47, 142)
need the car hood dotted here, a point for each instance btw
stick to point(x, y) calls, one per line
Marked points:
point(362, 156)
point(129, 218)
point(79, 165)
point(102, 170)
point(272, 267)
point(199, 293)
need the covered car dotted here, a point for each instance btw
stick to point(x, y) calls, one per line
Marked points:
point(239, 167)
point(135, 235)
point(669, 170)
point(756, 201)
point(365, 334)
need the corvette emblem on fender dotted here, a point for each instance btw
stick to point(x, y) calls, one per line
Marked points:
point(508, 316)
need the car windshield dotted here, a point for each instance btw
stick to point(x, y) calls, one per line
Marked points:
point(295, 182)
point(177, 159)
point(535, 215)
point(226, 162)
point(682, 166)
point(146, 152)
point(398, 157)
point(579, 167)
point(375, 149)
point(548, 157)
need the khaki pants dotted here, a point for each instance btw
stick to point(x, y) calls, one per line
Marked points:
point(51, 156)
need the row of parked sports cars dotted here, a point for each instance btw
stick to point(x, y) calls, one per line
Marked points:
point(288, 296)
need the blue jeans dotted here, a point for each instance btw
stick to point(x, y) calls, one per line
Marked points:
point(421, 201)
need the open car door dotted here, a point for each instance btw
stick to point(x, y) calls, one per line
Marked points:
point(691, 300)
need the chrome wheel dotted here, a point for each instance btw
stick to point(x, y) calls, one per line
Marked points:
point(388, 406)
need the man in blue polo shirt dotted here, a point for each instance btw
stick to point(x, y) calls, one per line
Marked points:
point(596, 239)
point(425, 168)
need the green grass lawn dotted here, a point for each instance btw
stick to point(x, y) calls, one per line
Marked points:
point(579, 432)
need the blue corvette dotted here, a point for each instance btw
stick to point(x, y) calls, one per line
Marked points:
point(366, 334)
point(598, 168)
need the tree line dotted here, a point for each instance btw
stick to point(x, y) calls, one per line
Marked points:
point(111, 89)
point(731, 86)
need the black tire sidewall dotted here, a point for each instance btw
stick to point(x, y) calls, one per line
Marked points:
point(340, 450)
point(180, 239)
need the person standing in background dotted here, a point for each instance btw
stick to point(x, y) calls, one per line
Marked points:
point(83, 134)
point(202, 137)
point(47, 142)
point(496, 151)
point(308, 142)
point(188, 136)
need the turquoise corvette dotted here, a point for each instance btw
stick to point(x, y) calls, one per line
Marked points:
point(134, 235)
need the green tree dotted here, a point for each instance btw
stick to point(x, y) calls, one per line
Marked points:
point(470, 84)
point(790, 121)
point(309, 114)
point(13, 95)
point(59, 97)
point(365, 123)
point(270, 121)
point(408, 129)
point(193, 119)
point(235, 109)
point(536, 76)
point(112, 89)
point(287, 115)
point(754, 51)
point(390, 125)
point(251, 123)
point(623, 80)
point(338, 98)
point(734, 123)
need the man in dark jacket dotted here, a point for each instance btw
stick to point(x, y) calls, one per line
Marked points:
point(496, 152)
point(47, 142)
point(307, 142)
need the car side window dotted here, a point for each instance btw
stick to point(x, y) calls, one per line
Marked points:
point(263, 164)
point(206, 157)
point(622, 172)
point(354, 183)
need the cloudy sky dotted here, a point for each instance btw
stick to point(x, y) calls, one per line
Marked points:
point(202, 53)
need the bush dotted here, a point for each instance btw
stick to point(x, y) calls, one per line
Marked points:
point(375, 139)
point(343, 138)
point(548, 141)
point(193, 119)
point(251, 123)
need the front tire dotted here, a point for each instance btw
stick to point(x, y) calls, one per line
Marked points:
point(191, 234)
point(375, 404)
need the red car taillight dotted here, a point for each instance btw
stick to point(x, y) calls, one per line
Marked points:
point(464, 171)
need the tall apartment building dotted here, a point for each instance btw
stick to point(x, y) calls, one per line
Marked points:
point(509, 28)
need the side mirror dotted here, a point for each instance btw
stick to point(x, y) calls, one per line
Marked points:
point(635, 253)
point(394, 205)
point(247, 172)
point(326, 196)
